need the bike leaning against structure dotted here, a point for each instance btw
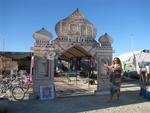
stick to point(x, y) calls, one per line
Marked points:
point(9, 88)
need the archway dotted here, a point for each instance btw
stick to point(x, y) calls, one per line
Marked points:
point(76, 41)
point(75, 73)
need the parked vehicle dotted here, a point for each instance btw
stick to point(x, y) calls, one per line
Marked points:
point(133, 74)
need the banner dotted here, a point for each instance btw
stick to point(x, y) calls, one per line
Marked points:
point(134, 60)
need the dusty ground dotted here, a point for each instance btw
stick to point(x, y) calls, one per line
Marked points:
point(130, 102)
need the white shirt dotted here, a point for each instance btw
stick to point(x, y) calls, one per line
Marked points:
point(148, 69)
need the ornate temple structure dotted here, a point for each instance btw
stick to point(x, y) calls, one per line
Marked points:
point(75, 39)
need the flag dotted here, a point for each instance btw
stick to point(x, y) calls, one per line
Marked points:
point(32, 61)
point(134, 60)
point(31, 65)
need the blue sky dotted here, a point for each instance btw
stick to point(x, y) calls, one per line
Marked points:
point(127, 21)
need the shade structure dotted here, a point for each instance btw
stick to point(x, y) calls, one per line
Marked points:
point(75, 52)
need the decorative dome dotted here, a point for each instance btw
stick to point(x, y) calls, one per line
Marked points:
point(75, 25)
point(105, 40)
point(42, 35)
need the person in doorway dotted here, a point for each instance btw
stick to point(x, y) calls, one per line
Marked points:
point(115, 77)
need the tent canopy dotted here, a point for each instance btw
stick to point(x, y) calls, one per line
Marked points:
point(75, 52)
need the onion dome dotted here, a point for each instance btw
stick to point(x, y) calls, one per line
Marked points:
point(75, 25)
point(105, 40)
point(42, 36)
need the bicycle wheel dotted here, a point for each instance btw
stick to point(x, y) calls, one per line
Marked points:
point(18, 93)
point(2, 90)
point(25, 87)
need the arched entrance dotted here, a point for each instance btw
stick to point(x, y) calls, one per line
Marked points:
point(75, 73)
point(75, 43)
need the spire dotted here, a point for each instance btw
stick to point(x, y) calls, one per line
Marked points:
point(77, 10)
point(77, 13)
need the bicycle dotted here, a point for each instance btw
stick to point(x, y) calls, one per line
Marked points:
point(25, 83)
point(8, 88)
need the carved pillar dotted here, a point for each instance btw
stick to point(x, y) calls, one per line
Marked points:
point(43, 86)
point(102, 87)
point(103, 56)
point(43, 73)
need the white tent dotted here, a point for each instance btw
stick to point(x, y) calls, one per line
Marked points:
point(136, 59)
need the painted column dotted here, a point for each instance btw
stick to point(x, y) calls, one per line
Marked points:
point(43, 86)
point(103, 56)
point(102, 86)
